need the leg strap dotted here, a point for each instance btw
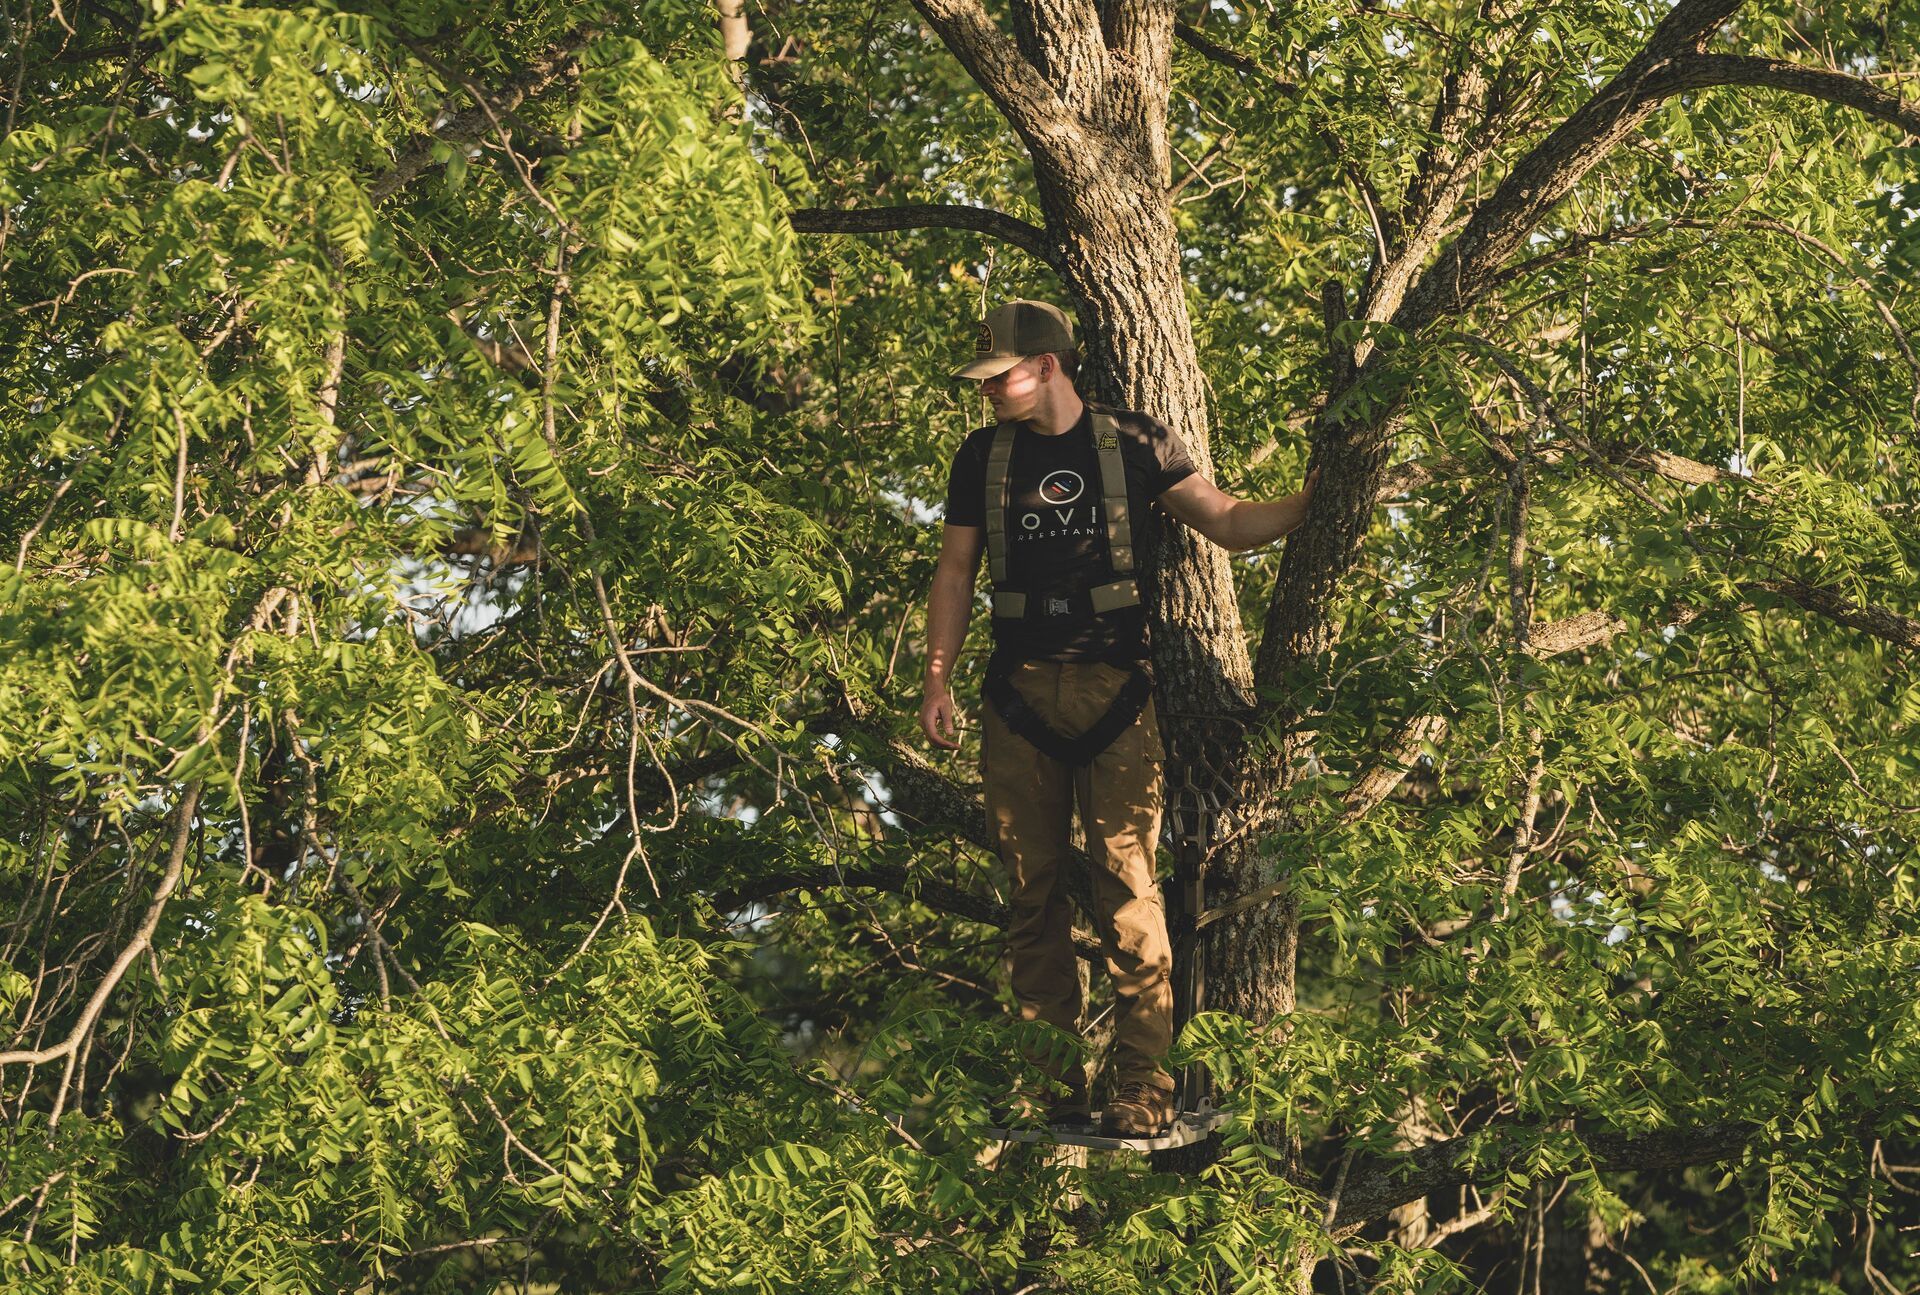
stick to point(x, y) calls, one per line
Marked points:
point(1079, 748)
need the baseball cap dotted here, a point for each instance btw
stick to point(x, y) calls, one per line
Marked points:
point(1014, 331)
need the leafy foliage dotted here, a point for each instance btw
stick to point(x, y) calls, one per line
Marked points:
point(441, 465)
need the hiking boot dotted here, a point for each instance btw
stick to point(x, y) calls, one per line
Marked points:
point(1138, 1109)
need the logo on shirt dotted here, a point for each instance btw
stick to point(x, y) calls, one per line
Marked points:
point(1062, 487)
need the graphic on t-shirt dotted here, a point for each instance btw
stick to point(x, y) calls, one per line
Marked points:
point(1062, 487)
point(1060, 515)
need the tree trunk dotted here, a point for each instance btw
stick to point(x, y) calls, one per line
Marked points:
point(1111, 218)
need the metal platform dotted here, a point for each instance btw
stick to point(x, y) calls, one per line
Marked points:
point(1188, 1127)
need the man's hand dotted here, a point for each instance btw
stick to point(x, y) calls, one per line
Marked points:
point(937, 716)
point(1236, 524)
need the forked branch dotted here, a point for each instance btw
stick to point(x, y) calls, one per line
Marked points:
point(142, 938)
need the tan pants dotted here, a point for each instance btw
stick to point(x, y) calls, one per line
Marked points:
point(1030, 799)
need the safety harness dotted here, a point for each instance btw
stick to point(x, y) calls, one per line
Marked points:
point(1010, 605)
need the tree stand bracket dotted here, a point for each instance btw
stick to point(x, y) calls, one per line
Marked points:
point(1194, 812)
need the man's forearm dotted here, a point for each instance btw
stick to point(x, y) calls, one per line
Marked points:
point(947, 608)
point(1253, 522)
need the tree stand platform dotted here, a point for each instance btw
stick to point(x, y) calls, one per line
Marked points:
point(1188, 1127)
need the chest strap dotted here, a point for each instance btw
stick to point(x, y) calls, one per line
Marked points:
point(1118, 591)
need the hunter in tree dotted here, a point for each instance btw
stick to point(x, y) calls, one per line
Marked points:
point(1051, 492)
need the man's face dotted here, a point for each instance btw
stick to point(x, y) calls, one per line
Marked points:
point(1016, 393)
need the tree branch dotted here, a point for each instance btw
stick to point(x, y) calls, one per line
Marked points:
point(1702, 71)
point(1232, 59)
point(478, 541)
point(1539, 180)
point(1375, 1188)
point(942, 897)
point(1463, 91)
point(1031, 106)
point(1672, 63)
point(1382, 221)
point(1446, 167)
point(1402, 751)
point(873, 220)
point(1902, 631)
point(1409, 475)
point(1297, 624)
point(1586, 629)
point(142, 937)
point(558, 61)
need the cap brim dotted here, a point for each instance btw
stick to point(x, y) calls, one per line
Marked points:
point(992, 366)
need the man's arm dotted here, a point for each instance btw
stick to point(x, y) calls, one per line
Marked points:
point(947, 609)
point(1235, 524)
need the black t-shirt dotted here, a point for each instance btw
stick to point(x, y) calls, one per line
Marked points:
point(1057, 530)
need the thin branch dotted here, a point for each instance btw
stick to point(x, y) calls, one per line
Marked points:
point(935, 894)
point(1196, 169)
point(142, 937)
point(179, 477)
point(942, 897)
point(1820, 245)
point(925, 800)
point(1462, 1222)
point(478, 541)
point(873, 220)
point(1901, 630)
point(1484, 1157)
point(1232, 59)
point(559, 60)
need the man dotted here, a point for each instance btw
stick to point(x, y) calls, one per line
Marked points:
point(1058, 494)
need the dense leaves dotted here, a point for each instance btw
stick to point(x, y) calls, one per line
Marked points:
point(440, 464)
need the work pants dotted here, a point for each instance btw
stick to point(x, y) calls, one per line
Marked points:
point(1030, 799)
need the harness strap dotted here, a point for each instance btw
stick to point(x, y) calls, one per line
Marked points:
point(1077, 749)
point(998, 455)
point(1113, 491)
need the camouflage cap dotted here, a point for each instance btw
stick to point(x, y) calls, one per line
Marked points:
point(1014, 331)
